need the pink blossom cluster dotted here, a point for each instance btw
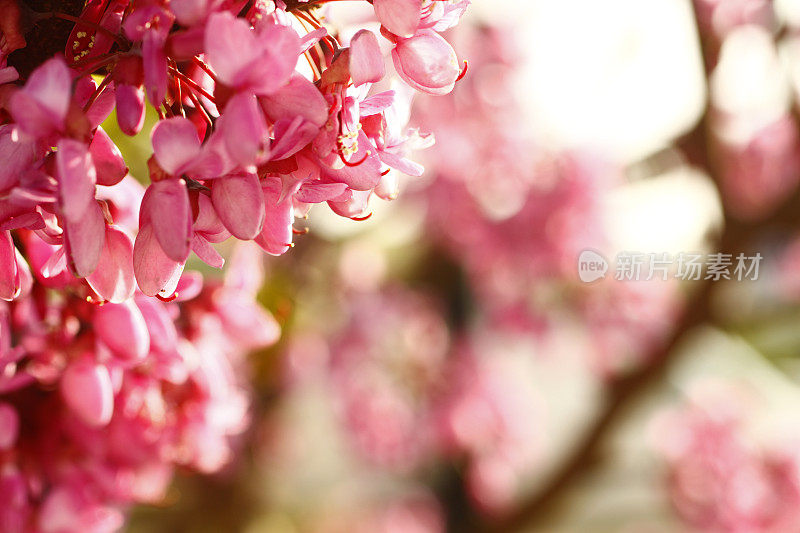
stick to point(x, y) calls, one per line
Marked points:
point(755, 139)
point(407, 397)
point(516, 216)
point(100, 404)
point(513, 214)
point(244, 139)
point(721, 476)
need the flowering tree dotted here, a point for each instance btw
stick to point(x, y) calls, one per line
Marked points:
point(263, 111)
point(427, 359)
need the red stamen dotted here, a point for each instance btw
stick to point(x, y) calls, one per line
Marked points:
point(77, 20)
point(386, 171)
point(361, 219)
point(199, 62)
point(190, 83)
point(349, 164)
point(463, 71)
point(110, 58)
point(167, 299)
point(199, 106)
point(98, 303)
point(300, 231)
point(97, 92)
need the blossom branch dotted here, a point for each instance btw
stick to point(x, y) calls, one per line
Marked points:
point(626, 390)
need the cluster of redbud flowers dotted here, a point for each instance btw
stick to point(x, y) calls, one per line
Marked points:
point(244, 142)
point(263, 110)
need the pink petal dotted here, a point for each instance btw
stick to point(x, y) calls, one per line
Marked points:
point(24, 279)
point(31, 117)
point(8, 267)
point(8, 74)
point(16, 155)
point(189, 286)
point(85, 238)
point(113, 280)
point(427, 63)
point(353, 207)
point(376, 103)
point(154, 61)
point(155, 272)
point(206, 252)
point(86, 388)
point(279, 50)
point(189, 12)
point(230, 45)
point(366, 172)
point(400, 17)
point(244, 128)
point(389, 187)
point(239, 203)
point(276, 235)
point(56, 263)
point(175, 144)
point(101, 107)
point(247, 321)
point(185, 44)
point(299, 97)
point(166, 204)
point(123, 329)
point(311, 38)
point(51, 86)
point(366, 60)
point(406, 166)
point(207, 221)
point(291, 137)
point(76, 178)
point(130, 108)
point(108, 161)
point(163, 335)
point(312, 193)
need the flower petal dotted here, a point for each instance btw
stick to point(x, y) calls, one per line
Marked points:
point(175, 144)
point(85, 238)
point(8, 267)
point(113, 280)
point(86, 389)
point(130, 108)
point(400, 17)
point(244, 128)
point(108, 162)
point(366, 60)
point(76, 178)
point(155, 272)
point(427, 63)
point(276, 236)
point(239, 204)
point(123, 329)
point(166, 203)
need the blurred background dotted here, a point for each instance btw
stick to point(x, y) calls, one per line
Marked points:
point(443, 367)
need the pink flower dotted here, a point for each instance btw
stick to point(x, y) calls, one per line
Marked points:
point(718, 478)
point(87, 390)
point(427, 62)
point(40, 108)
point(244, 59)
